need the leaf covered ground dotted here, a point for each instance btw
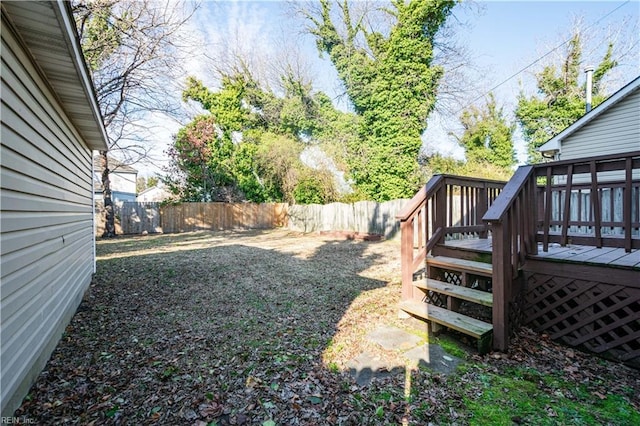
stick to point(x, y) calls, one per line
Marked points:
point(257, 327)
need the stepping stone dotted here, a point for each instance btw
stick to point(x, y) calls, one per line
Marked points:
point(433, 357)
point(366, 366)
point(393, 338)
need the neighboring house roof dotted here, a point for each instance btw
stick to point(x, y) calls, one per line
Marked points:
point(49, 33)
point(555, 142)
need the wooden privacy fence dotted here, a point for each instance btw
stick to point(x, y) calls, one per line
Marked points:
point(188, 217)
point(136, 217)
point(362, 217)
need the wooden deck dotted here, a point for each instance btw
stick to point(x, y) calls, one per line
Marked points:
point(585, 296)
point(572, 253)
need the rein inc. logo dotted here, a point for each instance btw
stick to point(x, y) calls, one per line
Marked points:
point(17, 421)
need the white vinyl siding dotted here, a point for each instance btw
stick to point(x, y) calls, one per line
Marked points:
point(613, 132)
point(46, 227)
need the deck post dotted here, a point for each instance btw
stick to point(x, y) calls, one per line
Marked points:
point(595, 203)
point(440, 214)
point(567, 207)
point(628, 188)
point(532, 230)
point(502, 279)
point(406, 258)
point(548, 202)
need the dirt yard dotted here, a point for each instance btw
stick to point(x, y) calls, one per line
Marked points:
point(257, 327)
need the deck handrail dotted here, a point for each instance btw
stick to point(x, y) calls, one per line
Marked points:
point(515, 186)
point(430, 217)
point(513, 230)
point(587, 160)
point(418, 200)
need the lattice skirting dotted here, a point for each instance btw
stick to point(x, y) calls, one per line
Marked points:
point(590, 307)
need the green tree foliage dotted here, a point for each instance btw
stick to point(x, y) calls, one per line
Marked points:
point(143, 183)
point(437, 164)
point(203, 161)
point(225, 105)
point(488, 137)
point(392, 85)
point(560, 99)
point(253, 142)
point(101, 30)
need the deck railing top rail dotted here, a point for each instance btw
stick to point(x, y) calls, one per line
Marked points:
point(437, 182)
point(507, 197)
point(418, 200)
point(605, 163)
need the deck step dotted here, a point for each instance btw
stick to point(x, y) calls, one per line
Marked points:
point(454, 320)
point(462, 265)
point(460, 292)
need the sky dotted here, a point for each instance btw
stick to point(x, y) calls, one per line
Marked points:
point(508, 36)
point(503, 38)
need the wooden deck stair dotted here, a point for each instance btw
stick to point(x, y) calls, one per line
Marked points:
point(438, 316)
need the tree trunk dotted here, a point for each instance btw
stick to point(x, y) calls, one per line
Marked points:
point(109, 223)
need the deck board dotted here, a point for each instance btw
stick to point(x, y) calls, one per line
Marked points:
point(571, 253)
point(629, 259)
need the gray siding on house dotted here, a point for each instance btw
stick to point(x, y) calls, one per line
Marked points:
point(615, 131)
point(46, 224)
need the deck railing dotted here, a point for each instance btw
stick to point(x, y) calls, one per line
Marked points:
point(523, 215)
point(446, 207)
point(595, 201)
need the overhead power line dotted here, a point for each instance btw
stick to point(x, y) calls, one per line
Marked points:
point(540, 58)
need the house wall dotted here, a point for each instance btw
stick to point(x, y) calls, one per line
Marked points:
point(615, 131)
point(46, 226)
point(124, 184)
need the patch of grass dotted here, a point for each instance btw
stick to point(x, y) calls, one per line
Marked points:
point(527, 397)
point(451, 347)
point(333, 367)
